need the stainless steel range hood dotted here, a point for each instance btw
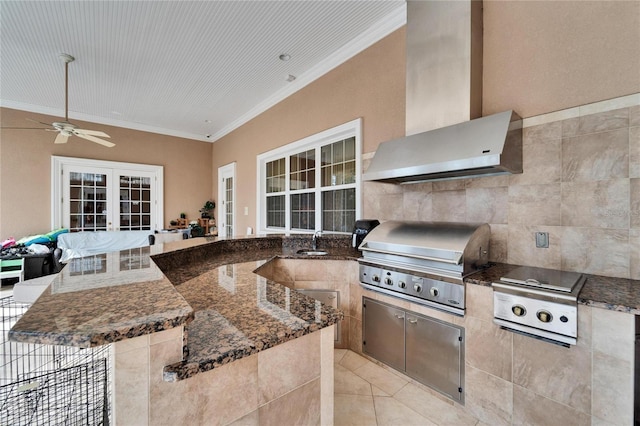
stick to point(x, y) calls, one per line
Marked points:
point(485, 146)
point(444, 88)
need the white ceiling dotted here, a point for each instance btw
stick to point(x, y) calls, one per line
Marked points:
point(167, 66)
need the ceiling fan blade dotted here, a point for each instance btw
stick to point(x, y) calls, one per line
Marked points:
point(91, 132)
point(39, 122)
point(61, 138)
point(25, 128)
point(96, 140)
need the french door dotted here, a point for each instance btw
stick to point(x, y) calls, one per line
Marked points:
point(226, 194)
point(106, 196)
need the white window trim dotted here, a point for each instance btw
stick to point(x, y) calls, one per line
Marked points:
point(351, 129)
point(58, 163)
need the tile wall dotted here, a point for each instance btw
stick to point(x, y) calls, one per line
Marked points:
point(291, 383)
point(581, 184)
point(323, 275)
point(512, 379)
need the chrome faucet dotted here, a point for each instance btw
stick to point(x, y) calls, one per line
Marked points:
point(314, 239)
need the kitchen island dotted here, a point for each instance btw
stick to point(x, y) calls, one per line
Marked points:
point(169, 376)
point(199, 337)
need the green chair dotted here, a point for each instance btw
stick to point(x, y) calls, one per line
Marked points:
point(13, 268)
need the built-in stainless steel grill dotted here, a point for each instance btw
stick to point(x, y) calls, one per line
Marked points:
point(424, 262)
point(541, 303)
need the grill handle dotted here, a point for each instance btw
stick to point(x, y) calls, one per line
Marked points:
point(365, 247)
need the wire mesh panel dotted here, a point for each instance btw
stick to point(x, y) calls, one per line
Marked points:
point(51, 385)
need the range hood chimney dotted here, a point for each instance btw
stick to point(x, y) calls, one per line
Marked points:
point(445, 138)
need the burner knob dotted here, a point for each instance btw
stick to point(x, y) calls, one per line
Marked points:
point(544, 316)
point(417, 288)
point(402, 284)
point(388, 281)
point(375, 278)
point(434, 291)
point(519, 310)
point(564, 319)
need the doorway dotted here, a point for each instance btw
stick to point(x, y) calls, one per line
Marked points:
point(226, 192)
point(95, 195)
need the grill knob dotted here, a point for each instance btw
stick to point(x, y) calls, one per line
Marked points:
point(434, 292)
point(417, 288)
point(518, 310)
point(402, 284)
point(544, 316)
point(388, 281)
point(375, 278)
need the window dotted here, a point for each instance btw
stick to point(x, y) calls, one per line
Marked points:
point(312, 184)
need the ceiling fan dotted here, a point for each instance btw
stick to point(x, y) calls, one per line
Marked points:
point(66, 129)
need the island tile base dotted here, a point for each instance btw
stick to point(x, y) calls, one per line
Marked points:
point(291, 383)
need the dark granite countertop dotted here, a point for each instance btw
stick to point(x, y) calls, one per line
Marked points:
point(618, 294)
point(212, 288)
point(103, 299)
point(208, 286)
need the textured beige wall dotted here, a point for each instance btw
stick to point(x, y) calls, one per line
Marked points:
point(25, 169)
point(370, 85)
point(543, 56)
point(539, 57)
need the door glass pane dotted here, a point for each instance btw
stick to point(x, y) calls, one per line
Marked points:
point(229, 207)
point(84, 190)
point(132, 214)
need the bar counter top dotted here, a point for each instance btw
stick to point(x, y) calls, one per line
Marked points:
point(210, 287)
point(214, 289)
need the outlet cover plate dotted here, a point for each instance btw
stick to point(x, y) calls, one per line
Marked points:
point(542, 239)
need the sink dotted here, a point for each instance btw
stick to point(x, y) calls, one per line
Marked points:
point(312, 252)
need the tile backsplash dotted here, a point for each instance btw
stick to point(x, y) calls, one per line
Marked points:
point(580, 183)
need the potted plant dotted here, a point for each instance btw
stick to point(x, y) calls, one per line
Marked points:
point(206, 212)
point(183, 215)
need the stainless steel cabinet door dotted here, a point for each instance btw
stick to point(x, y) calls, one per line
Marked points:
point(383, 333)
point(435, 354)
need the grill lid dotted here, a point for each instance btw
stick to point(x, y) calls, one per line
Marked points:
point(458, 247)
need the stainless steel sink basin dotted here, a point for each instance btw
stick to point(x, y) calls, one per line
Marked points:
point(312, 252)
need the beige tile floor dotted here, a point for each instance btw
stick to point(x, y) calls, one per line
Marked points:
point(369, 395)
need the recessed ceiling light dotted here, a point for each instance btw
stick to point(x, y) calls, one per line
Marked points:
point(284, 57)
point(290, 78)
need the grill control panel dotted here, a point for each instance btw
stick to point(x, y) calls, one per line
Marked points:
point(555, 317)
point(401, 283)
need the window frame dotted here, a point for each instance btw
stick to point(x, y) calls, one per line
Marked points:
point(344, 131)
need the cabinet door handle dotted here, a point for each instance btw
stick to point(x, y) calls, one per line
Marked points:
point(413, 321)
point(331, 297)
point(399, 316)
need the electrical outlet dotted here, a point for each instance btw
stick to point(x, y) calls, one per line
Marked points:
point(542, 239)
point(246, 211)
